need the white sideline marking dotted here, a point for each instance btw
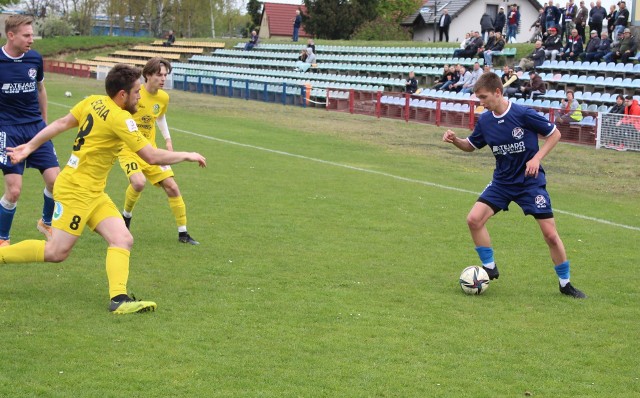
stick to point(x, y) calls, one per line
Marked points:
point(381, 173)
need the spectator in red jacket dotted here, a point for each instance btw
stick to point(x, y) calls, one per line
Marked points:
point(629, 125)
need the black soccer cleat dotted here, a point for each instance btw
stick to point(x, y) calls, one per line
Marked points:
point(127, 221)
point(569, 290)
point(184, 237)
point(492, 272)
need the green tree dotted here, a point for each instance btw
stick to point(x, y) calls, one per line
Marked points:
point(337, 19)
point(254, 9)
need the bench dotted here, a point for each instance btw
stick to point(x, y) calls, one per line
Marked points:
point(157, 49)
point(183, 43)
point(147, 55)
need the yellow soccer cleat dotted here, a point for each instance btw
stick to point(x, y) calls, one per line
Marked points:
point(131, 306)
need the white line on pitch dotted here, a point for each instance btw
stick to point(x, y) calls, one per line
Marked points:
point(380, 173)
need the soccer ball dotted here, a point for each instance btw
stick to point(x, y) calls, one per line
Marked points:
point(474, 280)
point(67, 94)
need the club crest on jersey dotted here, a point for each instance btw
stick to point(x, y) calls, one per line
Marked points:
point(156, 109)
point(541, 202)
point(32, 73)
point(518, 133)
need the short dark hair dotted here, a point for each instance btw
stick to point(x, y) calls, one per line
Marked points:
point(620, 96)
point(629, 97)
point(153, 66)
point(488, 81)
point(121, 77)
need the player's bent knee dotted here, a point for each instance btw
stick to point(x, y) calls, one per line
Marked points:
point(474, 222)
point(56, 254)
point(123, 240)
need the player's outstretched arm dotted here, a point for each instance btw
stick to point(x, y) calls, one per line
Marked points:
point(20, 153)
point(153, 155)
point(450, 137)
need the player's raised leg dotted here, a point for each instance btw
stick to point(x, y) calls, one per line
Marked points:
point(559, 257)
point(476, 220)
point(179, 210)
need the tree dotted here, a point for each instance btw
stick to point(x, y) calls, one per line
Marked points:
point(254, 9)
point(337, 19)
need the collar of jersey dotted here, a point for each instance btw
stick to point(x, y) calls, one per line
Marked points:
point(503, 114)
point(9, 56)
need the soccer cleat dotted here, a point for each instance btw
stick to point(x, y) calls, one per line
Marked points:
point(184, 237)
point(44, 229)
point(131, 306)
point(569, 290)
point(4, 242)
point(127, 220)
point(492, 272)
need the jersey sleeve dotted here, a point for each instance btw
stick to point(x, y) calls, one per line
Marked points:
point(476, 139)
point(126, 128)
point(539, 124)
point(80, 107)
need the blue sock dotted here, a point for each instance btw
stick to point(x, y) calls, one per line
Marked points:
point(47, 208)
point(6, 219)
point(562, 270)
point(486, 256)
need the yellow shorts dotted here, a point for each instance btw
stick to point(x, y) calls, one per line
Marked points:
point(132, 164)
point(76, 207)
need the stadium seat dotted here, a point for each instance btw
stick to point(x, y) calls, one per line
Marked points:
point(592, 108)
point(603, 108)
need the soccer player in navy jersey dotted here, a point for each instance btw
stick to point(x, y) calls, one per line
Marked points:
point(23, 113)
point(512, 132)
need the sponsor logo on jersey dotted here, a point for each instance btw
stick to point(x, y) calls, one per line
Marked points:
point(57, 211)
point(156, 109)
point(17, 88)
point(131, 125)
point(518, 133)
point(32, 73)
point(73, 161)
point(508, 149)
point(541, 202)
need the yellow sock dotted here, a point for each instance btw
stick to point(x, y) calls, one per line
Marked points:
point(117, 270)
point(131, 198)
point(27, 251)
point(179, 210)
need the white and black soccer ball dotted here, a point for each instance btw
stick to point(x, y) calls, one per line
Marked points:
point(67, 94)
point(474, 280)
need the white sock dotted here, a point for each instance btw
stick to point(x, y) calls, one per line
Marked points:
point(491, 265)
point(6, 204)
point(182, 228)
point(126, 214)
point(563, 282)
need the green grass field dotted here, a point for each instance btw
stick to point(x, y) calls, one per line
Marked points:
point(331, 245)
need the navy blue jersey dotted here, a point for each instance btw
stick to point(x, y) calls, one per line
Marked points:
point(513, 138)
point(19, 79)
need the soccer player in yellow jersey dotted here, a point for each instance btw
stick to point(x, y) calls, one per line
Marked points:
point(104, 122)
point(152, 108)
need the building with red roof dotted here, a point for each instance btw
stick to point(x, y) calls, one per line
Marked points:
point(277, 20)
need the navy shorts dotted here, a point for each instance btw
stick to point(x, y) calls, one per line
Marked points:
point(11, 136)
point(533, 199)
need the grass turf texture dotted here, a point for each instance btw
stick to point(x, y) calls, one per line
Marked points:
point(317, 280)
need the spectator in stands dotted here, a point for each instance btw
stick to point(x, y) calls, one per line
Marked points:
point(611, 20)
point(573, 48)
point(471, 49)
point(465, 77)
point(569, 111)
point(443, 78)
point(171, 38)
point(411, 85)
point(488, 43)
point(581, 19)
point(552, 44)
point(475, 75)
point(535, 86)
point(569, 14)
point(510, 81)
point(443, 25)
point(312, 45)
point(624, 49)
point(622, 19)
point(306, 59)
point(535, 59)
point(513, 21)
point(592, 46)
point(603, 49)
point(629, 126)
point(297, 21)
point(486, 25)
point(253, 41)
point(500, 22)
point(466, 41)
point(452, 78)
point(551, 16)
point(538, 27)
point(596, 16)
point(611, 136)
point(495, 49)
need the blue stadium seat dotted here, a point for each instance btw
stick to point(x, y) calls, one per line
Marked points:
point(592, 108)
